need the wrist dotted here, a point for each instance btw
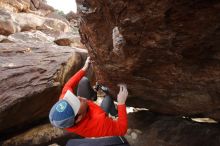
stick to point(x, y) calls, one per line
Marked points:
point(121, 103)
point(85, 68)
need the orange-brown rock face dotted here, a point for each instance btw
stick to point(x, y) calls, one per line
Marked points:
point(167, 52)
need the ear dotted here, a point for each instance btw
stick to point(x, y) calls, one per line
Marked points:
point(79, 118)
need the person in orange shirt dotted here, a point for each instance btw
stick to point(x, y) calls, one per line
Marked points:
point(78, 114)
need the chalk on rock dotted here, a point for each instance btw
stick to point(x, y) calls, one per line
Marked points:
point(118, 42)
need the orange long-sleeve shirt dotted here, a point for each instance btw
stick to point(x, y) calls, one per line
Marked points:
point(96, 123)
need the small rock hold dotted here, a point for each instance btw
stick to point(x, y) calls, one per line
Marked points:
point(54, 144)
point(134, 135)
point(138, 131)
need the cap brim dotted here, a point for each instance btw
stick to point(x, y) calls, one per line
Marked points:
point(72, 100)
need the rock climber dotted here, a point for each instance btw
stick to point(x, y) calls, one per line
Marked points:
point(77, 113)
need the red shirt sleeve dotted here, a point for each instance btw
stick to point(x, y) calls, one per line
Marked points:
point(72, 82)
point(116, 127)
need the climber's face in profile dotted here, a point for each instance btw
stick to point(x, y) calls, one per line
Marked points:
point(82, 110)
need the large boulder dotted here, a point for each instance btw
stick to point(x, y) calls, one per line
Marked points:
point(34, 36)
point(32, 76)
point(40, 5)
point(8, 25)
point(39, 23)
point(15, 5)
point(15, 22)
point(167, 52)
point(69, 39)
point(26, 6)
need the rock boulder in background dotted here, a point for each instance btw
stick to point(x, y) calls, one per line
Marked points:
point(26, 6)
point(7, 23)
point(15, 5)
point(72, 18)
point(68, 39)
point(32, 76)
point(30, 37)
point(40, 5)
point(15, 22)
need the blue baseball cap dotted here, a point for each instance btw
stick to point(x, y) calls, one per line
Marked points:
point(63, 113)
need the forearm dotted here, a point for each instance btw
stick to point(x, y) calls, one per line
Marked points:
point(116, 127)
point(122, 119)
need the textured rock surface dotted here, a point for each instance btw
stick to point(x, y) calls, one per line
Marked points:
point(40, 5)
point(31, 79)
point(149, 129)
point(41, 135)
point(15, 22)
point(15, 5)
point(166, 51)
point(25, 5)
point(59, 16)
point(72, 18)
point(7, 23)
point(2, 38)
point(30, 37)
point(40, 23)
point(66, 39)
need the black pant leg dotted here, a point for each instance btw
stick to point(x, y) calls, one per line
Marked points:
point(85, 89)
point(108, 106)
